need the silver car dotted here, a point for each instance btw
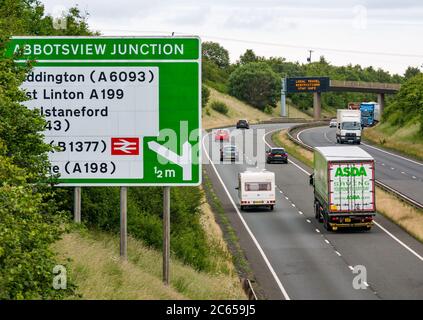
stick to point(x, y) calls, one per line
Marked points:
point(229, 152)
point(333, 123)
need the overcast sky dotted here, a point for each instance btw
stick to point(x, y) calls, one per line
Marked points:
point(382, 33)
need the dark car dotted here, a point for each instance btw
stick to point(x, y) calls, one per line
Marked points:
point(276, 155)
point(242, 124)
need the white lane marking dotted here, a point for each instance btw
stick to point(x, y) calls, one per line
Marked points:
point(402, 172)
point(392, 168)
point(400, 242)
point(300, 212)
point(327, 241)
point(337, 252)
point(365, 283)
point(308, 221)
point(413, 177)
point(264, 139)
point(327, 137)
point(383, 164)
point(286, 198)
point(351, 268)
point(293, 205)
point(393, 154)
point(383, 229)
point(272, 271)
point(317, 230)
point(280, 191)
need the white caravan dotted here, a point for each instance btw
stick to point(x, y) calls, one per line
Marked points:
point(256, 188)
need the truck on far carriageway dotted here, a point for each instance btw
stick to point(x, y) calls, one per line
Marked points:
point(344, 187)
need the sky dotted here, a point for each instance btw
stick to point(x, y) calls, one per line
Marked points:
point(384, 34)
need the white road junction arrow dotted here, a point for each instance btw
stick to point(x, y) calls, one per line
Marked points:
point(184, 160)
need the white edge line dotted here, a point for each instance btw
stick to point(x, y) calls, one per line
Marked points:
point(383, 229)
point(393, 154)
point(400, 242)
point(272, 271)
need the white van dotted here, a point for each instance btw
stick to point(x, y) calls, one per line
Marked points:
point(256, 188)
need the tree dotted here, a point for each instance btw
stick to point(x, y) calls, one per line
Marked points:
point(255, 83)
point(248, 56)
point(31, 218)
point(411, 72)
point(216, 53)
point(408, 105)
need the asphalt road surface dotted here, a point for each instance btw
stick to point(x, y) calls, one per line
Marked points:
point(402, 174)
point(293, 256)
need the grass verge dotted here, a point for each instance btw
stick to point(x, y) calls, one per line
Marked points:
point(404, 215)
point(280, 138)
point(241, 264)
point(405, 140)
point(99, 272)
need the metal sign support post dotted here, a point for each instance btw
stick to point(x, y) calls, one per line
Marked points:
point(123, 222)
point(77, 204)
point(283, 98)
point(166, 234)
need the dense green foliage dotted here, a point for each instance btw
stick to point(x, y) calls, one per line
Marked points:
point(29, 223)
point(31, 211)
point(408, 105)
point(219, 79)
point(255, 83)
point(220, 107)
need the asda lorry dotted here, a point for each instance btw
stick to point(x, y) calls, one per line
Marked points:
point(344, 187)
point(348, 126)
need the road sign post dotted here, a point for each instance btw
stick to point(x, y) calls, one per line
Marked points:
point(77, 204)
point(166, 234)
point(283, 97)
point(123, 222)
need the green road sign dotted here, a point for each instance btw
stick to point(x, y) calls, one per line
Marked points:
point(123, 111)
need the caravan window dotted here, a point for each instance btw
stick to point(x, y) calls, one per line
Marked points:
point(258, 186)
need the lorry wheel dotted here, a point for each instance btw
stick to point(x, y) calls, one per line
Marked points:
point(326, 224)
point(271, 207)
point(317, 214)
point(242, 208)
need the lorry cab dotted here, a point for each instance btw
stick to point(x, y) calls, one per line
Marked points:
point(256, 188)
point(367, 113)
point(348, 126)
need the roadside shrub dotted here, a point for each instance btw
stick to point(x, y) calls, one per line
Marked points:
point(205, 95)
point(220, 107)
point(268, 110)
point(27, 229)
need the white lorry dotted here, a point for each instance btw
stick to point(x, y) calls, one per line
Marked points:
point(344, 187)
point(256, 188)
point(349, 126)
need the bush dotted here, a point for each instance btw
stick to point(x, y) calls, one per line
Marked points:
point(205, 95)
point(220, 107)
point(268, 110)
point(256, 84)
point(27, 231)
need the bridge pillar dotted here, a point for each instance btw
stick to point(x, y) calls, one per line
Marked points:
point(317, 105)
point(381, 101)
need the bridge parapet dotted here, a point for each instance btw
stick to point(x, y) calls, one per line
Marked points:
point(361, 86)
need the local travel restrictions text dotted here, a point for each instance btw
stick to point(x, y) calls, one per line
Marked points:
point(99, 49)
